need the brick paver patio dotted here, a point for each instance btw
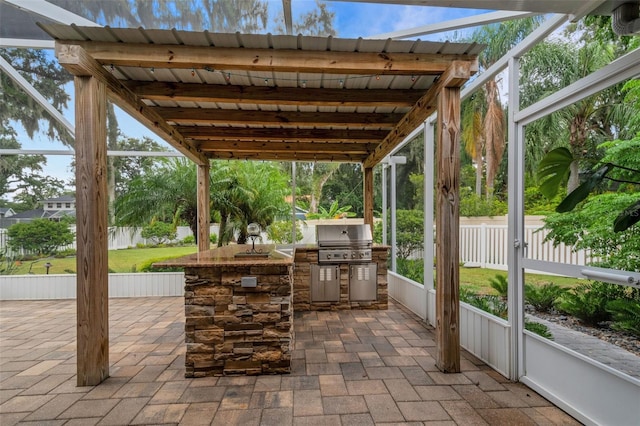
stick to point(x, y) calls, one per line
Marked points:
point(349, 368)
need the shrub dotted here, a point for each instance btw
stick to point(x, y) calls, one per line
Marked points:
point(500, 284)
point(494, 305)
point(543, 298)
point(412, 269)
point(625, 314)
point(213, 238)
point(409, 232)
point(159, 232)
point(41, 236)
point(189, 240)
point(147, 266)
point(588, 302)
point(280, 232)
point(539, 329)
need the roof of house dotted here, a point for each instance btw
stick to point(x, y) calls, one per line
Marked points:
point(29, 214)
point(63, 199)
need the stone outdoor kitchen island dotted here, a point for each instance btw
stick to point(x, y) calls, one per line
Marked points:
point(238, 311)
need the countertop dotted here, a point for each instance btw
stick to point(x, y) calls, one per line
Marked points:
point(226, 256)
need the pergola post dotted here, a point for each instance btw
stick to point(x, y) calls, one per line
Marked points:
point(91, 231)
point(368, 196)
point(447, 231)
point(204, 213)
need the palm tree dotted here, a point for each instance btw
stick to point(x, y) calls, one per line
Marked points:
point(499, 38)
point(167, 193)
point(473, 134)
point(258, 193)
point(582, 125)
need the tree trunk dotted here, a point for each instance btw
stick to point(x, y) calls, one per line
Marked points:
point(112, 143)
point(493, 135)
point(577, 142)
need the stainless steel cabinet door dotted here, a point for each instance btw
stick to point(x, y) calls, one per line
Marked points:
point(325, 283)
point(363, 284)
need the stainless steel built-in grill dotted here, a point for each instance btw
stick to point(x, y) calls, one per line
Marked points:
point(344, 243)
point(339, 245)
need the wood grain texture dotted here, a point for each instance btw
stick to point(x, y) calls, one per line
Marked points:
point(197, 92)
point(455, 76)
point(76, 60)
point(368, 197)
point(212, 133)
point(204, 213)
point(285, 60)
point(447, 231)
point(91, 232)
point(282, 118)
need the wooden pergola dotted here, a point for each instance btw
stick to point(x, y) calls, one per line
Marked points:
point(263, 97)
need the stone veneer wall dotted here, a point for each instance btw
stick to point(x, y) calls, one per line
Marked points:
point(231, 329)
point(305, 256)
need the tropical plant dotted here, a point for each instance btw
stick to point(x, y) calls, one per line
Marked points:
point(543, 298)
point(168, 193)
point(40, 236)
point(538, 328)
point(499, 38)
point(334, 212)
point(588, 302)
point(625, 314)
point(257, 192)
point(500, 284)
point(590, 228)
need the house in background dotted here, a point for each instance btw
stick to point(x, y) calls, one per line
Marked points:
point(52, 208)
point(6, 212)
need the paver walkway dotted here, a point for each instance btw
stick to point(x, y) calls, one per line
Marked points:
point(349, 368)
point(597, 349)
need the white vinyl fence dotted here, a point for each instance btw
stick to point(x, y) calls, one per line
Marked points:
point(486, 246)
point(483, 245)
point(63, 286)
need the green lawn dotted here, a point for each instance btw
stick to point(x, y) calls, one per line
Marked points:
point(119, 260)
point(477, 279)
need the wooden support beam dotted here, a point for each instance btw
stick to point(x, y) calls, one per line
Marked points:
point(76, 60)
point(196, 92)
point(284, 147)
point(282, 118)
point(455, 76)
point(204, 213)
point(91, 231)
point(212, 133)
point(447, 231)
point(278, 60)
point(368, 197)
point(338, 157)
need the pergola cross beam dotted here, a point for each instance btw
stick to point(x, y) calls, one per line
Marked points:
point(276, 60)
point(76, 60)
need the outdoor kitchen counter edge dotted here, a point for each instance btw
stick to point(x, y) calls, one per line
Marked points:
point(225, 256)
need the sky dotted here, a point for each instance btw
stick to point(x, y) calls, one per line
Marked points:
point(352, 20)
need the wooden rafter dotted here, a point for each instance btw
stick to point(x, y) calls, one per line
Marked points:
point(302, 147)
point(76, 60)
point(288, 156)
point(280, 60)
point(196, 92)
point(211, 133)
point(283, 118)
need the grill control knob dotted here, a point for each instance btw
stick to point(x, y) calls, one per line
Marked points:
point(361, 255)
point(328, 255)
point(353, 255)
point(344, 255)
